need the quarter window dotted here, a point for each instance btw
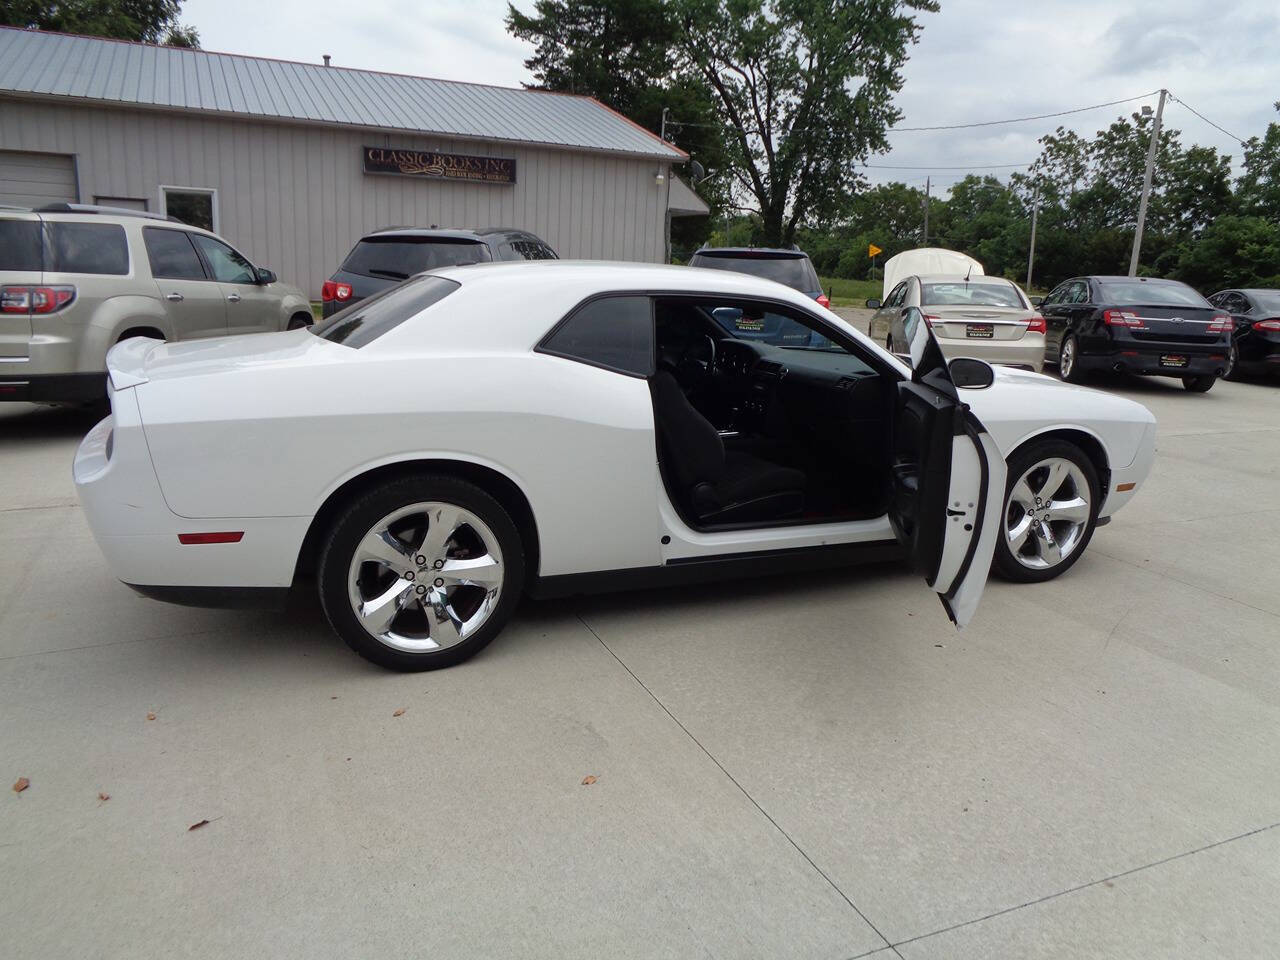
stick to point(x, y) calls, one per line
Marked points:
point(171, 254)
point(368, 319)
point(227, 265)
point(613, 332)
point(87, 248)
point(20, 245)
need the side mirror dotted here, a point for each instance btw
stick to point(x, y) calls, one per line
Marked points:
point(266, 276)
point(970, 373)
point(1036, 301)
point(873, 304)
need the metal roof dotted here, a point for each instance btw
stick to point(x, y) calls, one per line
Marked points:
point(60, 65)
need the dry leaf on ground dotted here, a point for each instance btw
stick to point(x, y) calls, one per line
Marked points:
point(588, 780)
point(21, 784)
point(399, 713)
point(197, 826)
point(104, 797)
point(151, 716)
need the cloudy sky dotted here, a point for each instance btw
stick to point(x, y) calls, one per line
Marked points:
point(975, 62)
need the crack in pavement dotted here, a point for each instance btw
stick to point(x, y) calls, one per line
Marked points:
point(743, 790)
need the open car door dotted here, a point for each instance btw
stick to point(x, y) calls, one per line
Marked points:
point(948, 479)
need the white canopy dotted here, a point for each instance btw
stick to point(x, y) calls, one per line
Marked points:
point(926, 260)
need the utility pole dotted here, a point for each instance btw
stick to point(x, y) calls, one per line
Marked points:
point(925, 242)
point(1146, 184)
point(1031, 254)
point(665, 111)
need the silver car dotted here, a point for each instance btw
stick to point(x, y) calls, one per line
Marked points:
point(985, 317)
point(76, 280)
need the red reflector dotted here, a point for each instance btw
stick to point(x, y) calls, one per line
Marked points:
point(1128, 353)
point(823, 301)
point(228, 536)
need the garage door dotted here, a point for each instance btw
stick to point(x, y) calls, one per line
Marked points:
point(34, 179)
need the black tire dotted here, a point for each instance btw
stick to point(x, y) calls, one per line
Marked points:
point(300, 320)
point(362, 514)
point(888, 343)
point(1022, 460)
point(1069, 360)
point(1202, 384)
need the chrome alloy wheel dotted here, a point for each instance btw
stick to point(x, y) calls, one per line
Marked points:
point(1067, 358)
point(1047, 513)
point(425, 577)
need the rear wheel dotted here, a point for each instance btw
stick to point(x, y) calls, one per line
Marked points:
point(1069, 360)
point(300, 320)
point(1233, 359)
point(1202, 384)
point(1050, 510)
point(421, 573)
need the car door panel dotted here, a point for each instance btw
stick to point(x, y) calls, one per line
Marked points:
point(250, 306)
point(193, 301)
point(947, 480)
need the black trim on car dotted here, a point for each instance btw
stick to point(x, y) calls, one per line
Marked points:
point(230, 598)
point(55, 388)
point(693, 570)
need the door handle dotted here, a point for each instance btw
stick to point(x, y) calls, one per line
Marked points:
point(233, 298)
point(175, 297)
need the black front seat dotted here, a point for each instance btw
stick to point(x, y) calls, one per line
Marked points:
point(715, 486)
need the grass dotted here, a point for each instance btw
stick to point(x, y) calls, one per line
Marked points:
point(850, 293)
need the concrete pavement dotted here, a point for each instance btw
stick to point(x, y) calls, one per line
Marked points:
point(805, 767)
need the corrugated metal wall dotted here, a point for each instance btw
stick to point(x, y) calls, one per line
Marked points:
point(295, 198)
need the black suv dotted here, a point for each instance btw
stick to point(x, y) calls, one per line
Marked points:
point(791, 267)
point(1136, 325)
point(385, 257)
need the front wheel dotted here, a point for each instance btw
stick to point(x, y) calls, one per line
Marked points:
point(1201, 384)
point(1050, 510)
point(421, 573)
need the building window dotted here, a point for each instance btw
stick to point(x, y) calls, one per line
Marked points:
point(126, 203)
point(195, 206)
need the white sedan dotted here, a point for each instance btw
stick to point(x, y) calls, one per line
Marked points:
point(435, 451)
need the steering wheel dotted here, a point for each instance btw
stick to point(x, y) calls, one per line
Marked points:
point(697, 369)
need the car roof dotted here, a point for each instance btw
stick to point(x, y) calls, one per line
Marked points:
point(954, 277)
point(448, 233)
point(1116, 276)
point(752, 251)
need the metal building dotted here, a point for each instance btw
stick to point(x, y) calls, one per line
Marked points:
point(292, 162)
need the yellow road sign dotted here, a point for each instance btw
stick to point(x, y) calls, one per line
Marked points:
point(872, 250)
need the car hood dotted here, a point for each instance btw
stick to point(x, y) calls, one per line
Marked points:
point(142, 359)
point(1020, 404)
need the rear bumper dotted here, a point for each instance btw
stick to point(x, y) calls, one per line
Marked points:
point(1147, 359)
point(1028, 352)
point(1259, 354)
point(138, 533)
point(53, 388)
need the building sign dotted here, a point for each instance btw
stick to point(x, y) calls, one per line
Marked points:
point(439, 166)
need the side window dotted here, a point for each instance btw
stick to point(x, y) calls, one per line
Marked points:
point(20, 245)
point(87, 248)
point(227, 265)
point(613, 332)
point(547, 253)
point(507, 252)
point(171, 254)
point(1055, 295)
point(1238, 303)
point(1079, 292)
point(897, 295)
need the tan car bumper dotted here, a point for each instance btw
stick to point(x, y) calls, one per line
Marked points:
point(1027, 352)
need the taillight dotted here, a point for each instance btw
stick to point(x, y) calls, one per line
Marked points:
point(342, 291)
point(1122, 318)
point(1220, 324)
point(15, 299)
point(1037, 325)
point(930, 319)
point(823, 301)
point(1272, 325)
point(223, 536)
point(329, 291)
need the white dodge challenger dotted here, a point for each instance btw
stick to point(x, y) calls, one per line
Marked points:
point(431, 453)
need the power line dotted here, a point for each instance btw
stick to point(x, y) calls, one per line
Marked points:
point(979, 166)
point(1206, 119)
point(1042, 116)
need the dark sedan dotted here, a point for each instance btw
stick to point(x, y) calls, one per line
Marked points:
point(386, 257)
point(1136, 325)
point(1255, 345)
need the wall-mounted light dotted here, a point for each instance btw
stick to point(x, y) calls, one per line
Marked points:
point(660, 179)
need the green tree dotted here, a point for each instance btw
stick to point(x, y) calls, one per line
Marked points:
point(1258, 191)
point(148, 21)
point(804, 90)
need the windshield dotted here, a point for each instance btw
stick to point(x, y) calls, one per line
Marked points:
point(1268, 300)
point(970, 294)
point(795, 272)
point(368, 319)
point(397, 258)
point(1139, 293)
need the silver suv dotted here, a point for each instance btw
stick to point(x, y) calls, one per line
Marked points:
point(75, 280)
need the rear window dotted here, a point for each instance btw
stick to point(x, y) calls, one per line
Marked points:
point(794, 272)
point(397, 258)
point(970, 294)
point(87, 248)
point(20, 245)
point(1139, 293)
point(365, 321)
